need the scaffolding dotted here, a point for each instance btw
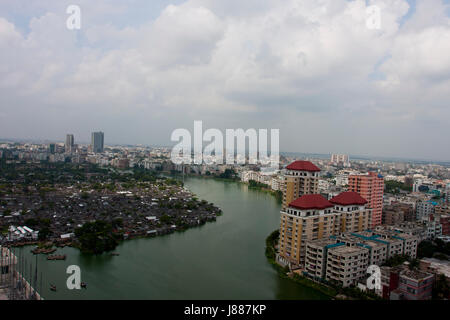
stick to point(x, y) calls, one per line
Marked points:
point(14, 272)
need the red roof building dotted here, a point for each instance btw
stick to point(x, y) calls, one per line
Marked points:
point(303, 166)
point(348, 198)
point(311, 201)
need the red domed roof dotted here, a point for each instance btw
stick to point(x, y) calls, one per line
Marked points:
point(303, 166)
point(311, 201)
point(348, 198)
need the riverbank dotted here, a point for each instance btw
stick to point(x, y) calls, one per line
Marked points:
point(93, 208)
point(271, 241)
point(223, 260)
point(334, 293)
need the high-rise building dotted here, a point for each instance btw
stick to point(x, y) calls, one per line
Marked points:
point(312, 217)
point(69, 143)
point(341, 159)
point(371, 188)
point(52, 148)
point(97, 142)
point(300, 178)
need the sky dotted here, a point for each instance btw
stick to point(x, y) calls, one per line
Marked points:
point(140, 69)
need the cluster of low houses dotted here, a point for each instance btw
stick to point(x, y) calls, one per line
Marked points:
point(21, 233)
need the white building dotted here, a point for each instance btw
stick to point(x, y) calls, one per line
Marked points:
point(424, 208)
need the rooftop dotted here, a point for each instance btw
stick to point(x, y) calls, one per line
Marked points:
point(347, 250)
point(303, 166)
point(311, 201)
point(321, 242)
point(440, 266)
point(415, 274)
point(348, 198)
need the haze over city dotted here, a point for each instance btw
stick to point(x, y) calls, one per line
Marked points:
point(140, 69)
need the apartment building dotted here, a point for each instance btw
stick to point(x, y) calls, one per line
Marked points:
point(316, 256)
point(433, 229)
point(424, 208)
point(413, 285)
point(350, 254)
point(394, 245)
point(445, 224)
point(334, 260)
point(346, 265)
point(378, 252)
point(371, 188)
point(396, 213)
point(442, 209)
point(340, 159)
point(385, 244)
point(300, 178)
point(354, 214)
point(312, 217)
point(391, 217)
point(436, 267)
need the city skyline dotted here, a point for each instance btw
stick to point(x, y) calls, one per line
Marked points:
point(282, 152)
point(141, 71)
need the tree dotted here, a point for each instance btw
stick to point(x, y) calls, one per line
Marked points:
point(97, 237)
point(425, 249)
point(44, 233)
point(228, 174)
point(441, 288)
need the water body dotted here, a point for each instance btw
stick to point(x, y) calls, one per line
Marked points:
point(220, 260)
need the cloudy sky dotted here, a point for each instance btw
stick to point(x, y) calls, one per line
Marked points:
point(139, 69)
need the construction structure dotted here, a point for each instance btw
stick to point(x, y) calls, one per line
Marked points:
point(13, 273)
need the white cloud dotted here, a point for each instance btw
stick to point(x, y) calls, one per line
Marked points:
point(298, 65)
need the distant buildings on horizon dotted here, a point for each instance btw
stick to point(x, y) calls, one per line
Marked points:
point(97, 143)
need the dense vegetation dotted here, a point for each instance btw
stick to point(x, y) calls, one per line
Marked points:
point(256, 185)
point(434, 249)
point(400, 259)
point(441, 288)
point(97, 237)
point(394, 187)
point(228, 174)
point(271, 242)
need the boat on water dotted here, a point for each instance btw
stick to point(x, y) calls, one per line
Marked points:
point(57, 257)
point(43, 250)
point(114, 254)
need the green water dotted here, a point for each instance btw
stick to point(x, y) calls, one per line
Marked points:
point(220, 260)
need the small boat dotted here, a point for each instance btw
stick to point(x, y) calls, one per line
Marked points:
point(57, 257)
point(52, 287)
point(115, 254)
point(43, 250)
point(83, 285)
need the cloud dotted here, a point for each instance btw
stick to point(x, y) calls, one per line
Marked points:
point(306, 67)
